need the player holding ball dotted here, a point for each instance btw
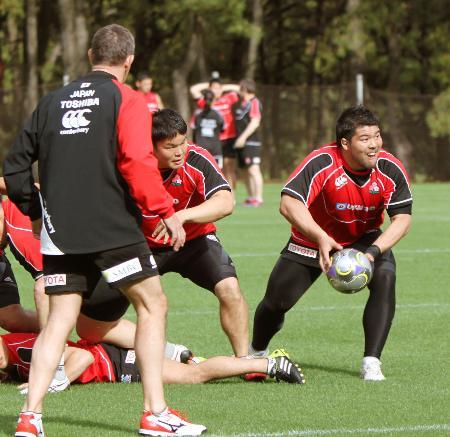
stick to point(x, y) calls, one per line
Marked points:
point(336, 198)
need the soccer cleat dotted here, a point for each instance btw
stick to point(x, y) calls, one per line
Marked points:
point(371, 369)
point(252, 202)
point(279, 353)
point(169, 423)
point(284, 369)
point(29, 425)
point(178, 352)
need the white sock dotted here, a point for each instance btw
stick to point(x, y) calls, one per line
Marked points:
point(255, 353)
point(271, 366)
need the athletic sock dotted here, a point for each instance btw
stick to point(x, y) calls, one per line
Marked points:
point(271, 366)
point(255, 354)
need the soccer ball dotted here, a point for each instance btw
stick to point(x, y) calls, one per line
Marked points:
point(350, 271)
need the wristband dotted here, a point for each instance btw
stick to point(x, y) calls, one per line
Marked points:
point(374, 250)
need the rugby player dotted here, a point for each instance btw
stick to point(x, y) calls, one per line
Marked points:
point(144, 84)
point(201, 196)
point(336, 198)
point(225, 96)
point(86, 362)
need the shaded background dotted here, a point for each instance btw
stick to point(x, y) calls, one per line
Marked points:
point(303, 54)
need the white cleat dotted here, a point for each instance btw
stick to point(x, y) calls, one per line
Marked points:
point(371, 369)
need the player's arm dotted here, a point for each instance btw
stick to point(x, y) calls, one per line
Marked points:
point(230, 87)
point(249, 130)
point(397, 229)
point(218, 206)
point(196, 90)
point(159, 102)
point(298, 215)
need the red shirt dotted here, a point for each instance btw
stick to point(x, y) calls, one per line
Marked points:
point(341, 207)
point(20, 347)
point(223, 105)
point(151, 99)
point(190, 185)
point(25, 247)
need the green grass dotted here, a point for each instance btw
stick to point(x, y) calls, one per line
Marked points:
point(323, 332)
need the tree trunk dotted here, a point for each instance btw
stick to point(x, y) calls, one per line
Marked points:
point(74, 37)
point(255, 38)
point(32, 91)
point(401, 142)
point(180, 75)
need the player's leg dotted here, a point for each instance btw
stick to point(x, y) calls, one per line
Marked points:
point(205, 262)
point(49, 346)
point(288, 281)
point(13, 317)
point(229, 163)
point(378, 315)
point(233, 314)
point(255, 182)
point(41, 301)
point(150, 304)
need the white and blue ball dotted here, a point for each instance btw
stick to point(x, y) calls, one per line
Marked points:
point(350, 271)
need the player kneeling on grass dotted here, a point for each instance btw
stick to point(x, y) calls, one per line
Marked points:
point(201, 195)
point(336, 198)
point(85, 363)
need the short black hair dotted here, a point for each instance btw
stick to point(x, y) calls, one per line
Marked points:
point(167, 124)
point(351, 119)
point(215, 80)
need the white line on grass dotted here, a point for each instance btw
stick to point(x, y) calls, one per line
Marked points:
point(319, 308)
point(314, 432)
point(249, 254)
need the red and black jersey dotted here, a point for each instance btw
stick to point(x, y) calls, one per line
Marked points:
point(344, 203)
point(20, 347)
point(207, 126)
point(244, 111)
point(151, 99)
point(190, 185)
point(97, 171)
point(223, 105)
point(23, 245)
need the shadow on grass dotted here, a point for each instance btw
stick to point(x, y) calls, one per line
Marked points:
point(329, 369)
point(7, 423)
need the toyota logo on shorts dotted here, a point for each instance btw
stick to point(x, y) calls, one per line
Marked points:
point(74, 119)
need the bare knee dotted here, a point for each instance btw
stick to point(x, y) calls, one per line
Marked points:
point(229, 293)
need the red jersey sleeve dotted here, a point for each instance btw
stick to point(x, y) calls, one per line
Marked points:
point(255, 108)
point(306, 182)
point(135, 159)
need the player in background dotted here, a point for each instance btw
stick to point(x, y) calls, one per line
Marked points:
point(13, 317)
point(336, 198)
point(144, 84)
point(207, 124)
point(95, 134)
point(247, 118)
point(201, 196)
point(86, 362)
point(225, 96)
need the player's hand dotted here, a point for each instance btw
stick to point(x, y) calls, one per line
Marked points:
point(161, 232)
point(327, 245)
point(177, 232)
point(239, 143)
point(36, 226)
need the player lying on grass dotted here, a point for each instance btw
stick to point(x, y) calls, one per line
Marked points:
point(85, 363)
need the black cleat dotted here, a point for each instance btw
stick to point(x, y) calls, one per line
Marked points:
point(287, 370)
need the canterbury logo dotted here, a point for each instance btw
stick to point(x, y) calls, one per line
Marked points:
point(75, 119)
point(340, 181)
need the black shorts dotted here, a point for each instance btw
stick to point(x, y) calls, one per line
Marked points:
point(23, 261)
point(202, 260)
point(310, 256)
point(249, 155)
point(81, 273)
point(9, 293)
point(228, 150)
point(124, 363)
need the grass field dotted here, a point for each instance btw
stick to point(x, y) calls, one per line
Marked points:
point(323, 332)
